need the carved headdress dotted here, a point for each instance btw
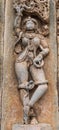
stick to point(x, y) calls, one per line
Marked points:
point(30, 23)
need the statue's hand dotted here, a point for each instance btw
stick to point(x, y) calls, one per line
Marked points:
point(30, 85)
point(20, 35)
point(38, 61)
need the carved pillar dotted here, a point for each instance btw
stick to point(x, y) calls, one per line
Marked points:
point(30, 45)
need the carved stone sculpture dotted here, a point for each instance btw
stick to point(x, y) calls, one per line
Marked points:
point(29, 90)
point(31, 48)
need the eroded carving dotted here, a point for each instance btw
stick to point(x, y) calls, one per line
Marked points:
point(40, 8)
point(31, 48)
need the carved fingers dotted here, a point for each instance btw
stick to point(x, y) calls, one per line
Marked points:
point(38, 61)
point(28, 85)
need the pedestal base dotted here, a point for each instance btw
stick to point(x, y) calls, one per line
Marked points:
point(32, 127)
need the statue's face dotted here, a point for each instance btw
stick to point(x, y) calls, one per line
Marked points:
point(30, 25)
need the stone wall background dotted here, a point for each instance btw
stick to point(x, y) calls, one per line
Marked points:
point(2, 3)
point(1, 48)
point(1, 53)
point(57, 7)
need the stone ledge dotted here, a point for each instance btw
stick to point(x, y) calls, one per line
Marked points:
point(32, 127)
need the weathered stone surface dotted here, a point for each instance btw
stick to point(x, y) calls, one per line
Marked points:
point(11, 105)
point(32, 127)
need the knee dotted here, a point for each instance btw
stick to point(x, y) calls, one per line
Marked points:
point(45, 87)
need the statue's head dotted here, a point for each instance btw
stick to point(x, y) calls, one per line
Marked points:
point(30, 24)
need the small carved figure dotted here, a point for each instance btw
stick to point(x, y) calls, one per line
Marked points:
point(33, 50)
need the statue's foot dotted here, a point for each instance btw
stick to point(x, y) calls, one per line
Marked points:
point(32, 117)
point(31, 113)
point(34, 121)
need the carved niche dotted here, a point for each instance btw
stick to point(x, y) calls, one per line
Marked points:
point(31, 29)
point(29, 97)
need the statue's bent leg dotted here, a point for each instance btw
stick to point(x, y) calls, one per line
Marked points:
point(40, 80)
point(22, 76)
point(38, 94)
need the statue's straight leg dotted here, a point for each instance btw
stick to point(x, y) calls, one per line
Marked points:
point(22, 76)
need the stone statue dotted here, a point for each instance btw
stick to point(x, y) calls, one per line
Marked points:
point(29, 63)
